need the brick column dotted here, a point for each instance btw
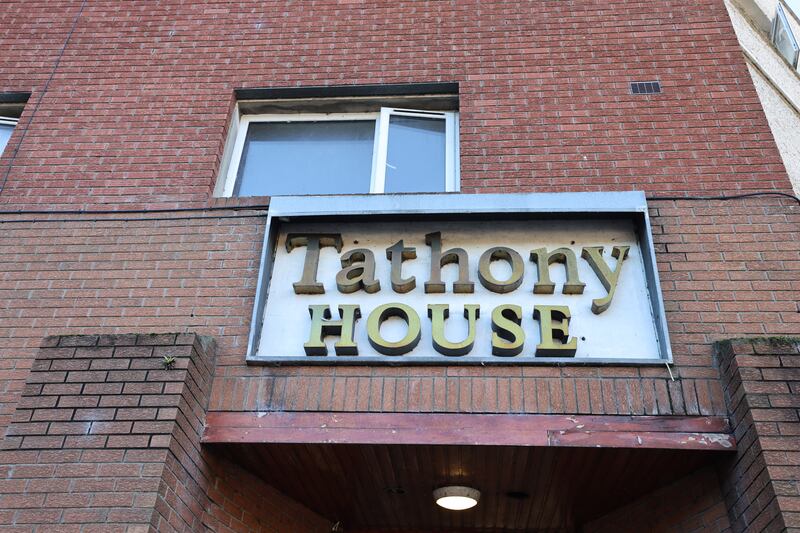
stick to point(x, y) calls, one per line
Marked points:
point(107, 439)
point(107, 433)
point(761, 484)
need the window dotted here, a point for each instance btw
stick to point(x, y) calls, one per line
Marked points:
point(390, 151)
point(343, 145)
point(782, 37)
point(11, 105)
point(7, 125)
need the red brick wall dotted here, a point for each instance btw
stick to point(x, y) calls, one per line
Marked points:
point(124, 275)
point(36, 31)
point(727, 268)
point(137, 108)
point(240, 501)
point(105, 437)
point(130, 105)
point(693, 503)
point(762, 386)
point(33, 35)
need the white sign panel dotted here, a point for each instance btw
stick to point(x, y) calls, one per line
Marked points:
point(458, 291)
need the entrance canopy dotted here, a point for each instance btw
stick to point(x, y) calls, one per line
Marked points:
point(374, 471)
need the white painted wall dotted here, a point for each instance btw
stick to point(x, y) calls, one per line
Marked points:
point(784, 123)
point(777, 84)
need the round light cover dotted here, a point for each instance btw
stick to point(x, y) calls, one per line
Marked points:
point(456, 498)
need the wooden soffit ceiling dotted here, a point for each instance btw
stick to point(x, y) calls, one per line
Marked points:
point(535, 473)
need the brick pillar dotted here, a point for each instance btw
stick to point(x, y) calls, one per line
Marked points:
point(761, 484)
point(106, 434)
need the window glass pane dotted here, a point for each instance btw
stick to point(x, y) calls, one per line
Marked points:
point(5, 135)
point(325, 157)
point(783, 38)
point(415, 159)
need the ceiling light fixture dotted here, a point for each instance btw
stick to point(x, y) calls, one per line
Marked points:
point(456, 498)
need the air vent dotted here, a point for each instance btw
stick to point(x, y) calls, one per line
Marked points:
point(645, 87)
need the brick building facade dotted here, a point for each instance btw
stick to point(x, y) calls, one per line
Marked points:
point(119, 258)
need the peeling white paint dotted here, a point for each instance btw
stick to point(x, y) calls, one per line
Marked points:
point(721, 439)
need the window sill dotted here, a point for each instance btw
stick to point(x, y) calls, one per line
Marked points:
point(221, 202)
point(239, 201)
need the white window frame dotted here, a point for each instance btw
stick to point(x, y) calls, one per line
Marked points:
point(7, 121)
point(380, 148)
point(781, 21)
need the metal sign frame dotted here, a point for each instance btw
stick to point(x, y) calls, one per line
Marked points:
point(364, 208)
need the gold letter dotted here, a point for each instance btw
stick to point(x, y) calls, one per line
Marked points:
point(313, 242)
point(508, 337)
point(594, 255)
point(543, 260)
point(485, 273)
point(358, 272)
point(438, 313)
point(379, 315)
point(439, 259)
point(322, 326)
point(397, 254)
point(554, 324)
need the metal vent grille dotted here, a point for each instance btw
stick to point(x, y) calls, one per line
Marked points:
point(645, 87)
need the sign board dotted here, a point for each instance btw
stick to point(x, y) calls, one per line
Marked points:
point(458, 279)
